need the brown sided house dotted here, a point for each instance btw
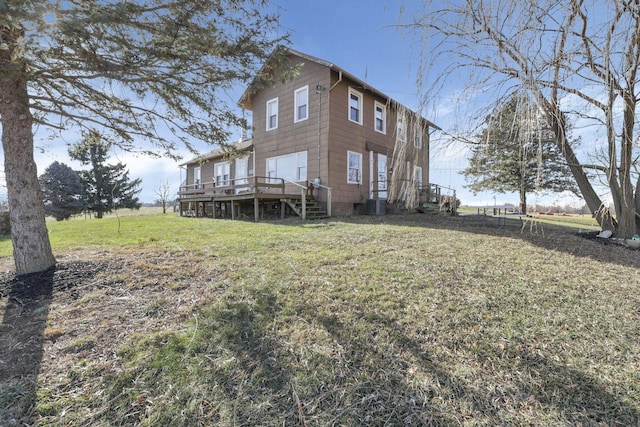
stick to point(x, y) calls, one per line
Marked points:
point(323, 143)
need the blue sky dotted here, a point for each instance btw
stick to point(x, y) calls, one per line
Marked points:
point(358, 36)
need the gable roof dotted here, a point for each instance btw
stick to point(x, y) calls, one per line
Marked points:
point(246, 101)
point(220, 152)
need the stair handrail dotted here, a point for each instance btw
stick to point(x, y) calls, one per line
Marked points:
point(303, 196)
point(329, 190)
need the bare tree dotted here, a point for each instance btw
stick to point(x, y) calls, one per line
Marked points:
point(579, 59)
point(163, 191)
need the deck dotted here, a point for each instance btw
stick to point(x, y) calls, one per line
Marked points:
point(232, 197)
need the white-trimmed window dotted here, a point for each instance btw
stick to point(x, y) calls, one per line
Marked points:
point(417, 137)
point(382, 176)
point(197, 177)
point(380, 118)
point(417, 175)
point(292, 167)
point(355, 106)
point(401, 128)
point(354, 167)
point(272, 114)
point(222, 173)
point(301, 104)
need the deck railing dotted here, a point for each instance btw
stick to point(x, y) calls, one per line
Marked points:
point(231, 186)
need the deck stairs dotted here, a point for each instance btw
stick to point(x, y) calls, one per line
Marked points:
point(313, 210)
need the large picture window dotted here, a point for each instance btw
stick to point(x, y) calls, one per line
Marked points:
point(292, 167)
point(354, 167)
point(272, 114)
point(301, 104)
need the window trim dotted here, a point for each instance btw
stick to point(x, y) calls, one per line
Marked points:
point(359, 155)
point(197, 177)
point(223, 182)
point(417, 176)
point(417, 137)
point(296, 117)
point(360, 105)
point(273, 101)
point(298, 167)
point(401, 128)
point(382, 107)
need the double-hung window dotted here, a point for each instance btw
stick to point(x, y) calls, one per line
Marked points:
point(417, 137)
point(355, 106)
point(222, 173)
point(380, 117)
point(301, 104)
point(354, 167)
point(401, 128)
point(272, 114)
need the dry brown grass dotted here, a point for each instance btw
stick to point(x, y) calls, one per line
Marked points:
point(367, 321)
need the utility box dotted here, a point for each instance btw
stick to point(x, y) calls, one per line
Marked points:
point(376, 207)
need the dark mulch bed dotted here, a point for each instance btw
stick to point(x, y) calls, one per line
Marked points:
point(63, 277)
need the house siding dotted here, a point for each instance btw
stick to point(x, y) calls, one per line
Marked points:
point(327, 135)
point(292, 137)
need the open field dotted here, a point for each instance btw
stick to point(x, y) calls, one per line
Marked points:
point(414, 320)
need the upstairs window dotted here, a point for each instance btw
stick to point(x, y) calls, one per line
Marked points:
point(401, 129)
point(417, 137)
point(272, 114)
point(380, 117)
point(355, 106)
point(301, 104)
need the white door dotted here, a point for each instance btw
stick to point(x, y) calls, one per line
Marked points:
point(197, 177)
point(242, 168)
point(382, 176)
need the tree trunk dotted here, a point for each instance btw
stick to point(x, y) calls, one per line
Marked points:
point(523, 202)
point(591, 198)
point(31, 247)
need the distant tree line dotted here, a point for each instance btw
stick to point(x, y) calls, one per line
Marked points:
point(100, 189)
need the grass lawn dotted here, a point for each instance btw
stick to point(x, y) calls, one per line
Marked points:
point(397, 320)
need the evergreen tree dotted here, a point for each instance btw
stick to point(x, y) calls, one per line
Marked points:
point(62, 190)
point(143, 71)
point(107, 187)
point(516, 152)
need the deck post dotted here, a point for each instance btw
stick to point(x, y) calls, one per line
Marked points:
point(329, 202)
point(256, 208)
point(233, 210)
point(283, 207)
point(303, 191)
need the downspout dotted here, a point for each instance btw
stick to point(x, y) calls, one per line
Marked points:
point(371, 174)
point(336, 83)
point(319, 90)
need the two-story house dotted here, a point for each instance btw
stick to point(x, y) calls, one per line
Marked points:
point(325, 134)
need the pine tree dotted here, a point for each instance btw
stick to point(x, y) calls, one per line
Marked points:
point(107, 187)
point(516, 152)
point(147, 73)
point(62, 190)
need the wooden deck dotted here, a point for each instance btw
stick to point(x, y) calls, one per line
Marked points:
point(231, 197)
